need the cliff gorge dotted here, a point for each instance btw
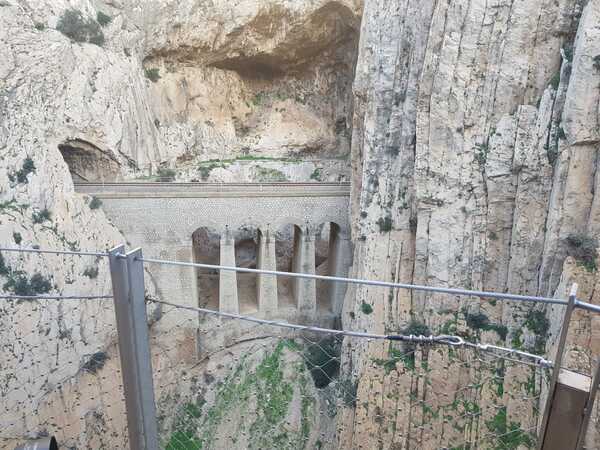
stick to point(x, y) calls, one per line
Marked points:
point(474, 147)
point(469, 130)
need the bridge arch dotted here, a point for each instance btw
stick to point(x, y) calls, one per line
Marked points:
point(246, 256)
point(206, 247)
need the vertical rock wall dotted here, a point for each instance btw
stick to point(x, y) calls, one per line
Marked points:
point(474, 158)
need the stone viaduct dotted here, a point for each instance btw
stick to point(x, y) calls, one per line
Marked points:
point(298, 227)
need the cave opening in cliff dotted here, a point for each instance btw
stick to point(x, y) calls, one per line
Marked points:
point(206, 245)
point(246, 252)
point(87, 163)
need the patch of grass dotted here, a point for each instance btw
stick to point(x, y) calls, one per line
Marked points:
point(95, 203)
point(395, 356)
point(510, 436)
point(17, 237)
point(584, 249)
point(270, 394)
point(79, 29)
point(266, 175)
point(366, 308)
point(95, 363)
point(91, 272)
point(259, 98)
point(153, 74)
point(41, 216)
point(103, 19)
point(537, 322)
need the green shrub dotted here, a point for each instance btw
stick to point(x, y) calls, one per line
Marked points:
point(416, 328)
point(597, 62)
point(555, 80)
point(17, 237)
point(165, 174)
point(584, 249)
point(537, 322)
point(316, 175)
point(95, 203)
point(95, 363)
point(482, 153)
point(73, 25)
point(4, 269)
point(41, 216)
point(385, 224)
point(103, 19)
point(38, 284)
point(366, 308)
point(479, 321)
point(27, 168)
point(19, 284)
point(152, 74)
point(91, 272)
point(40, 26)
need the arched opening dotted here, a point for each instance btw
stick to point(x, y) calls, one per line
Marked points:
point(246, 252)
point(206, 250)
point(87, 163)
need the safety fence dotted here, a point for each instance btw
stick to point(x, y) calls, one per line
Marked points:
point(59, 364)
point(141, 372)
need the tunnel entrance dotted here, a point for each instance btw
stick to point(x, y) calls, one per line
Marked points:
point(87, 163)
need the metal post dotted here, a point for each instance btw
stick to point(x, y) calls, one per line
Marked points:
point(589, 407)
point(127, 275)
point(557, 366)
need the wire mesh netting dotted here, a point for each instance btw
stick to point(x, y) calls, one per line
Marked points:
point(227, 383)
point(60, 371)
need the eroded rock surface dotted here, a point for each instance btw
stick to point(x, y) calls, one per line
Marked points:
point(474, 152)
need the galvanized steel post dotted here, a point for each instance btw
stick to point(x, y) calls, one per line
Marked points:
point(544, 440)
point(127, 275)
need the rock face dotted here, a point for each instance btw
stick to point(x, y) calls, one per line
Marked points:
point(106, 91)
point(474, 160)
point(473, 133)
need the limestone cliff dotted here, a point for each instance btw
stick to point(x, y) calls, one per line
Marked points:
point(473, 132)
point(474, 161)
point(122, 90)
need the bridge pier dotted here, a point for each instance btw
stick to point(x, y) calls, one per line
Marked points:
point(228, 292)
point(267, 284)
point(305, 291)
point(340, 257)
